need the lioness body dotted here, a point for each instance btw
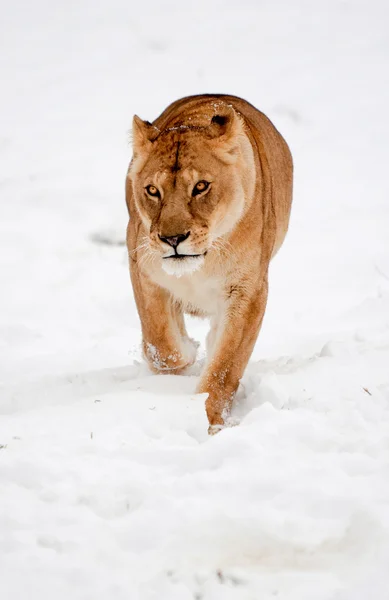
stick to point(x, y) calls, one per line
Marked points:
point(209, 192)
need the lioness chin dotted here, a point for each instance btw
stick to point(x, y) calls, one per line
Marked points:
point(209, 192)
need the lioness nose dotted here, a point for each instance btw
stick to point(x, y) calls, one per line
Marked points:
point(174, 240)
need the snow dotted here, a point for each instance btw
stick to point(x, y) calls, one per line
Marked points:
point(110, 486)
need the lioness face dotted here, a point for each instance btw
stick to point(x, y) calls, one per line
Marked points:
point(188, 188)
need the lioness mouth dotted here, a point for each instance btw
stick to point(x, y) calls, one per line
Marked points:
point(179, 266)
point(181, 256)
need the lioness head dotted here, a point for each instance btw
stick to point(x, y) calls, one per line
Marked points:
point(190, 184)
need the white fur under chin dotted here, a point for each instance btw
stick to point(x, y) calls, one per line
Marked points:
point(183, 266)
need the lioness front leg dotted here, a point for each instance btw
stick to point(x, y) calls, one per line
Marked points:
point(236, 338)
point(166, 345)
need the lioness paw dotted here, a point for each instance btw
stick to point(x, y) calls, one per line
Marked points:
point(170, 359)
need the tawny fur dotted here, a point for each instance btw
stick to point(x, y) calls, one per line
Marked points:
point(236, 226)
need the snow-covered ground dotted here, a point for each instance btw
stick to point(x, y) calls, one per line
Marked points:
point(109, 485)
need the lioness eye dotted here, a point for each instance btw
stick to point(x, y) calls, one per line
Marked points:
point(153, 191)
point(200, 187)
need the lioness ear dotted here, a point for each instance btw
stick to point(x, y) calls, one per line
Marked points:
point(143, 135)
point(225, 129)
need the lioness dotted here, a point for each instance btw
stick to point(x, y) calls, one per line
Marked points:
point(209, 192)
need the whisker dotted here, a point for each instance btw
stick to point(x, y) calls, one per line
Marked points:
point(138, 248)
point(147, 257)
point(222, 248)
point(143, 243)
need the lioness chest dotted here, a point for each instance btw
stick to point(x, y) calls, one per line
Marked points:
point(197, 291)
